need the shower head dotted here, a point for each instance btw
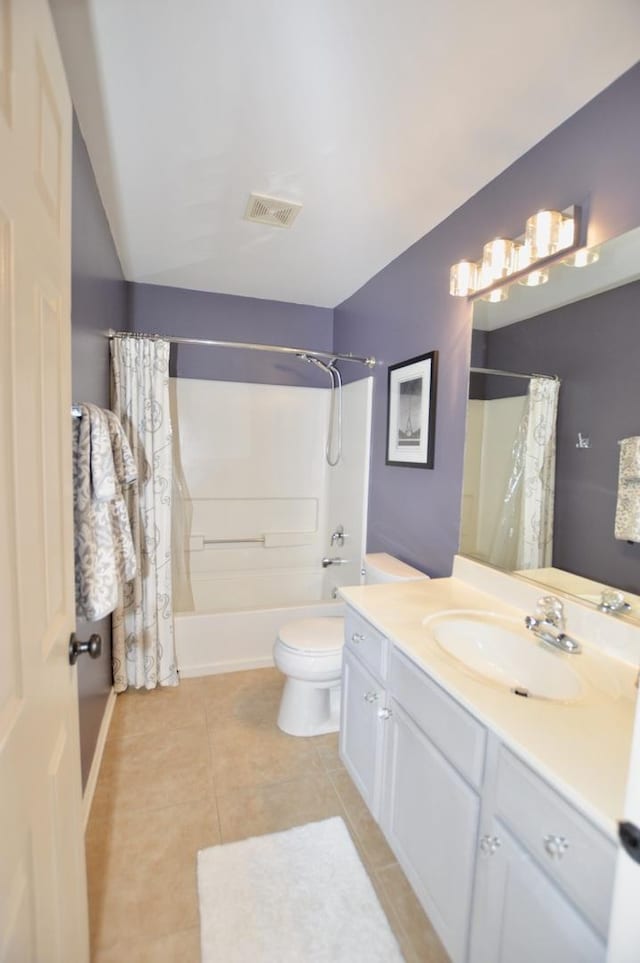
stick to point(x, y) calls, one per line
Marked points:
point(310, 359)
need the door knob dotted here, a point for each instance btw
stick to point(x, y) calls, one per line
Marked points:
point(76, 648)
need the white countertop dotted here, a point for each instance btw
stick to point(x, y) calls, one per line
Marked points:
point(582, 748)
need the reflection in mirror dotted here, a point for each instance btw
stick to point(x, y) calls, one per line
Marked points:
point(555, 385)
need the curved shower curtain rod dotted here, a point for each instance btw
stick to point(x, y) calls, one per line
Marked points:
point(282, 349)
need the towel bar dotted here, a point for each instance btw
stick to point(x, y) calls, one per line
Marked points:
point(232, 541)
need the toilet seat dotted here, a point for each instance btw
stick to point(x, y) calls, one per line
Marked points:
point(321, 636)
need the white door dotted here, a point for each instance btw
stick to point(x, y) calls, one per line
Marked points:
point(624, 932)
point(43, 908)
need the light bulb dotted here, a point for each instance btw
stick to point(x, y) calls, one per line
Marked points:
point(582, 258)
point(463, 278)
point(494, 297)
point(535, 278)
point(567, 232)
point(543, 233)
point(497, 259)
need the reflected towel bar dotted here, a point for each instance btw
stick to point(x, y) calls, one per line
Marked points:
point(233, 541)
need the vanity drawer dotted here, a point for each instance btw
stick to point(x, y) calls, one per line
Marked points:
point(366, 642)
point(545, 823)
point(455, 732)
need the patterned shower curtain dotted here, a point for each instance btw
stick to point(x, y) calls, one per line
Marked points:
point(524, 534)
point(535, 547)
point(143, 642)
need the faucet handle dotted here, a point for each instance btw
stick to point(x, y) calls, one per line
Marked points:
point(550, 609)
point(613, 601)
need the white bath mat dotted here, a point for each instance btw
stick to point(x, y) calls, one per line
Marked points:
point(301, 896)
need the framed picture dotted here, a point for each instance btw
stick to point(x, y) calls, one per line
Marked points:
point(411, 413)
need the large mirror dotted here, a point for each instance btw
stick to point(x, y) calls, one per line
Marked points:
point(541, 493)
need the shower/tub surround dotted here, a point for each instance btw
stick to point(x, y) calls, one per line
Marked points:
point(264, 505)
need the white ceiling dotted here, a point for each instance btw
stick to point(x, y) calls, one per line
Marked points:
point(380, 116)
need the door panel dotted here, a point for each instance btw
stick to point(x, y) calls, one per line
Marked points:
point(430, 818)
point(523, 916)
point(43, 912)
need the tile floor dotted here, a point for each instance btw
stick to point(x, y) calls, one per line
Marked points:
point(201, 764)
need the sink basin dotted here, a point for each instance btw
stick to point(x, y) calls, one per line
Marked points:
point(500, 649)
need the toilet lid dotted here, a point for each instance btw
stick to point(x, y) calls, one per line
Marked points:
point(314, 635)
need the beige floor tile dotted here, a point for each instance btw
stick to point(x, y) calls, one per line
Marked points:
point(142, 871)
point(374, 847)
point(147, 789)
point(168, 754)
point(272, 808)
point(392, 918)
point(327, 749)
point(420, 934)
point(243, 755)
point(181, 947)
point(250, 698)
point(169, 707)
point(149, 751)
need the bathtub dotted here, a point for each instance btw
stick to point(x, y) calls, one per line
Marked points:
point(210, 641)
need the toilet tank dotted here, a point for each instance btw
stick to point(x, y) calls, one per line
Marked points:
point(380, 567)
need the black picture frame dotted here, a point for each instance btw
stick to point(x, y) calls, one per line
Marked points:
point(411, 411)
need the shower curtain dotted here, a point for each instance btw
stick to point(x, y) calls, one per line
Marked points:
point(143, 642)
point(524, 535)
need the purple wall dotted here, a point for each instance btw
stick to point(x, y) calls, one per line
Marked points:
point(98, 302)
point(594, 347)
point(405, 310)
point(223, 317)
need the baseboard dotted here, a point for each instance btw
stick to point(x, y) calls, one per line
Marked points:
point(92, 781)
point(217, 668)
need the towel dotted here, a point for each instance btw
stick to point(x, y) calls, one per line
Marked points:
point(126, 475)
point(104, 555)
point(627, 527)
point(630, 459)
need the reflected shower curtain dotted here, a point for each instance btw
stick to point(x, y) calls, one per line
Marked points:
point(143, 643)
point(524, 536)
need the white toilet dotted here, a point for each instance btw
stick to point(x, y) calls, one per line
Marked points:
point(309, 653)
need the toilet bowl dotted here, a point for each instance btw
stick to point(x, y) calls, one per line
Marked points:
point(309, 653)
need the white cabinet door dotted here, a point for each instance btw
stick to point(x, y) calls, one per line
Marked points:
point(43, 899)
point(520, 916)
point(360, 729)
point(430, 817)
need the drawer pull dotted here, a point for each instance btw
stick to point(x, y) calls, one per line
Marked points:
point(556, 846)
point(489, 844)
point(371, 697)
point(357, 637)
point(384, 713)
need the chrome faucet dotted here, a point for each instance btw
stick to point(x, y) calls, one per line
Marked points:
point(338, 536)
point(335, 560)
point(548, 625)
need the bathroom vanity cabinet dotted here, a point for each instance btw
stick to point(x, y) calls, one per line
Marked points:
point(364, 710)
point(504, 866)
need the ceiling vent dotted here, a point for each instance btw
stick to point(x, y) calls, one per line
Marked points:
point(271, 210)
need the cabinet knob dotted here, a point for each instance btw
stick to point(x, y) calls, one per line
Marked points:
point(489, 844)
point(357, 637)
point(384, 713)
point(371, 697)
point(556, 846)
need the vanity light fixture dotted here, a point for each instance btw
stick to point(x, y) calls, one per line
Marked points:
point(582, 257)
point(549, 235)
